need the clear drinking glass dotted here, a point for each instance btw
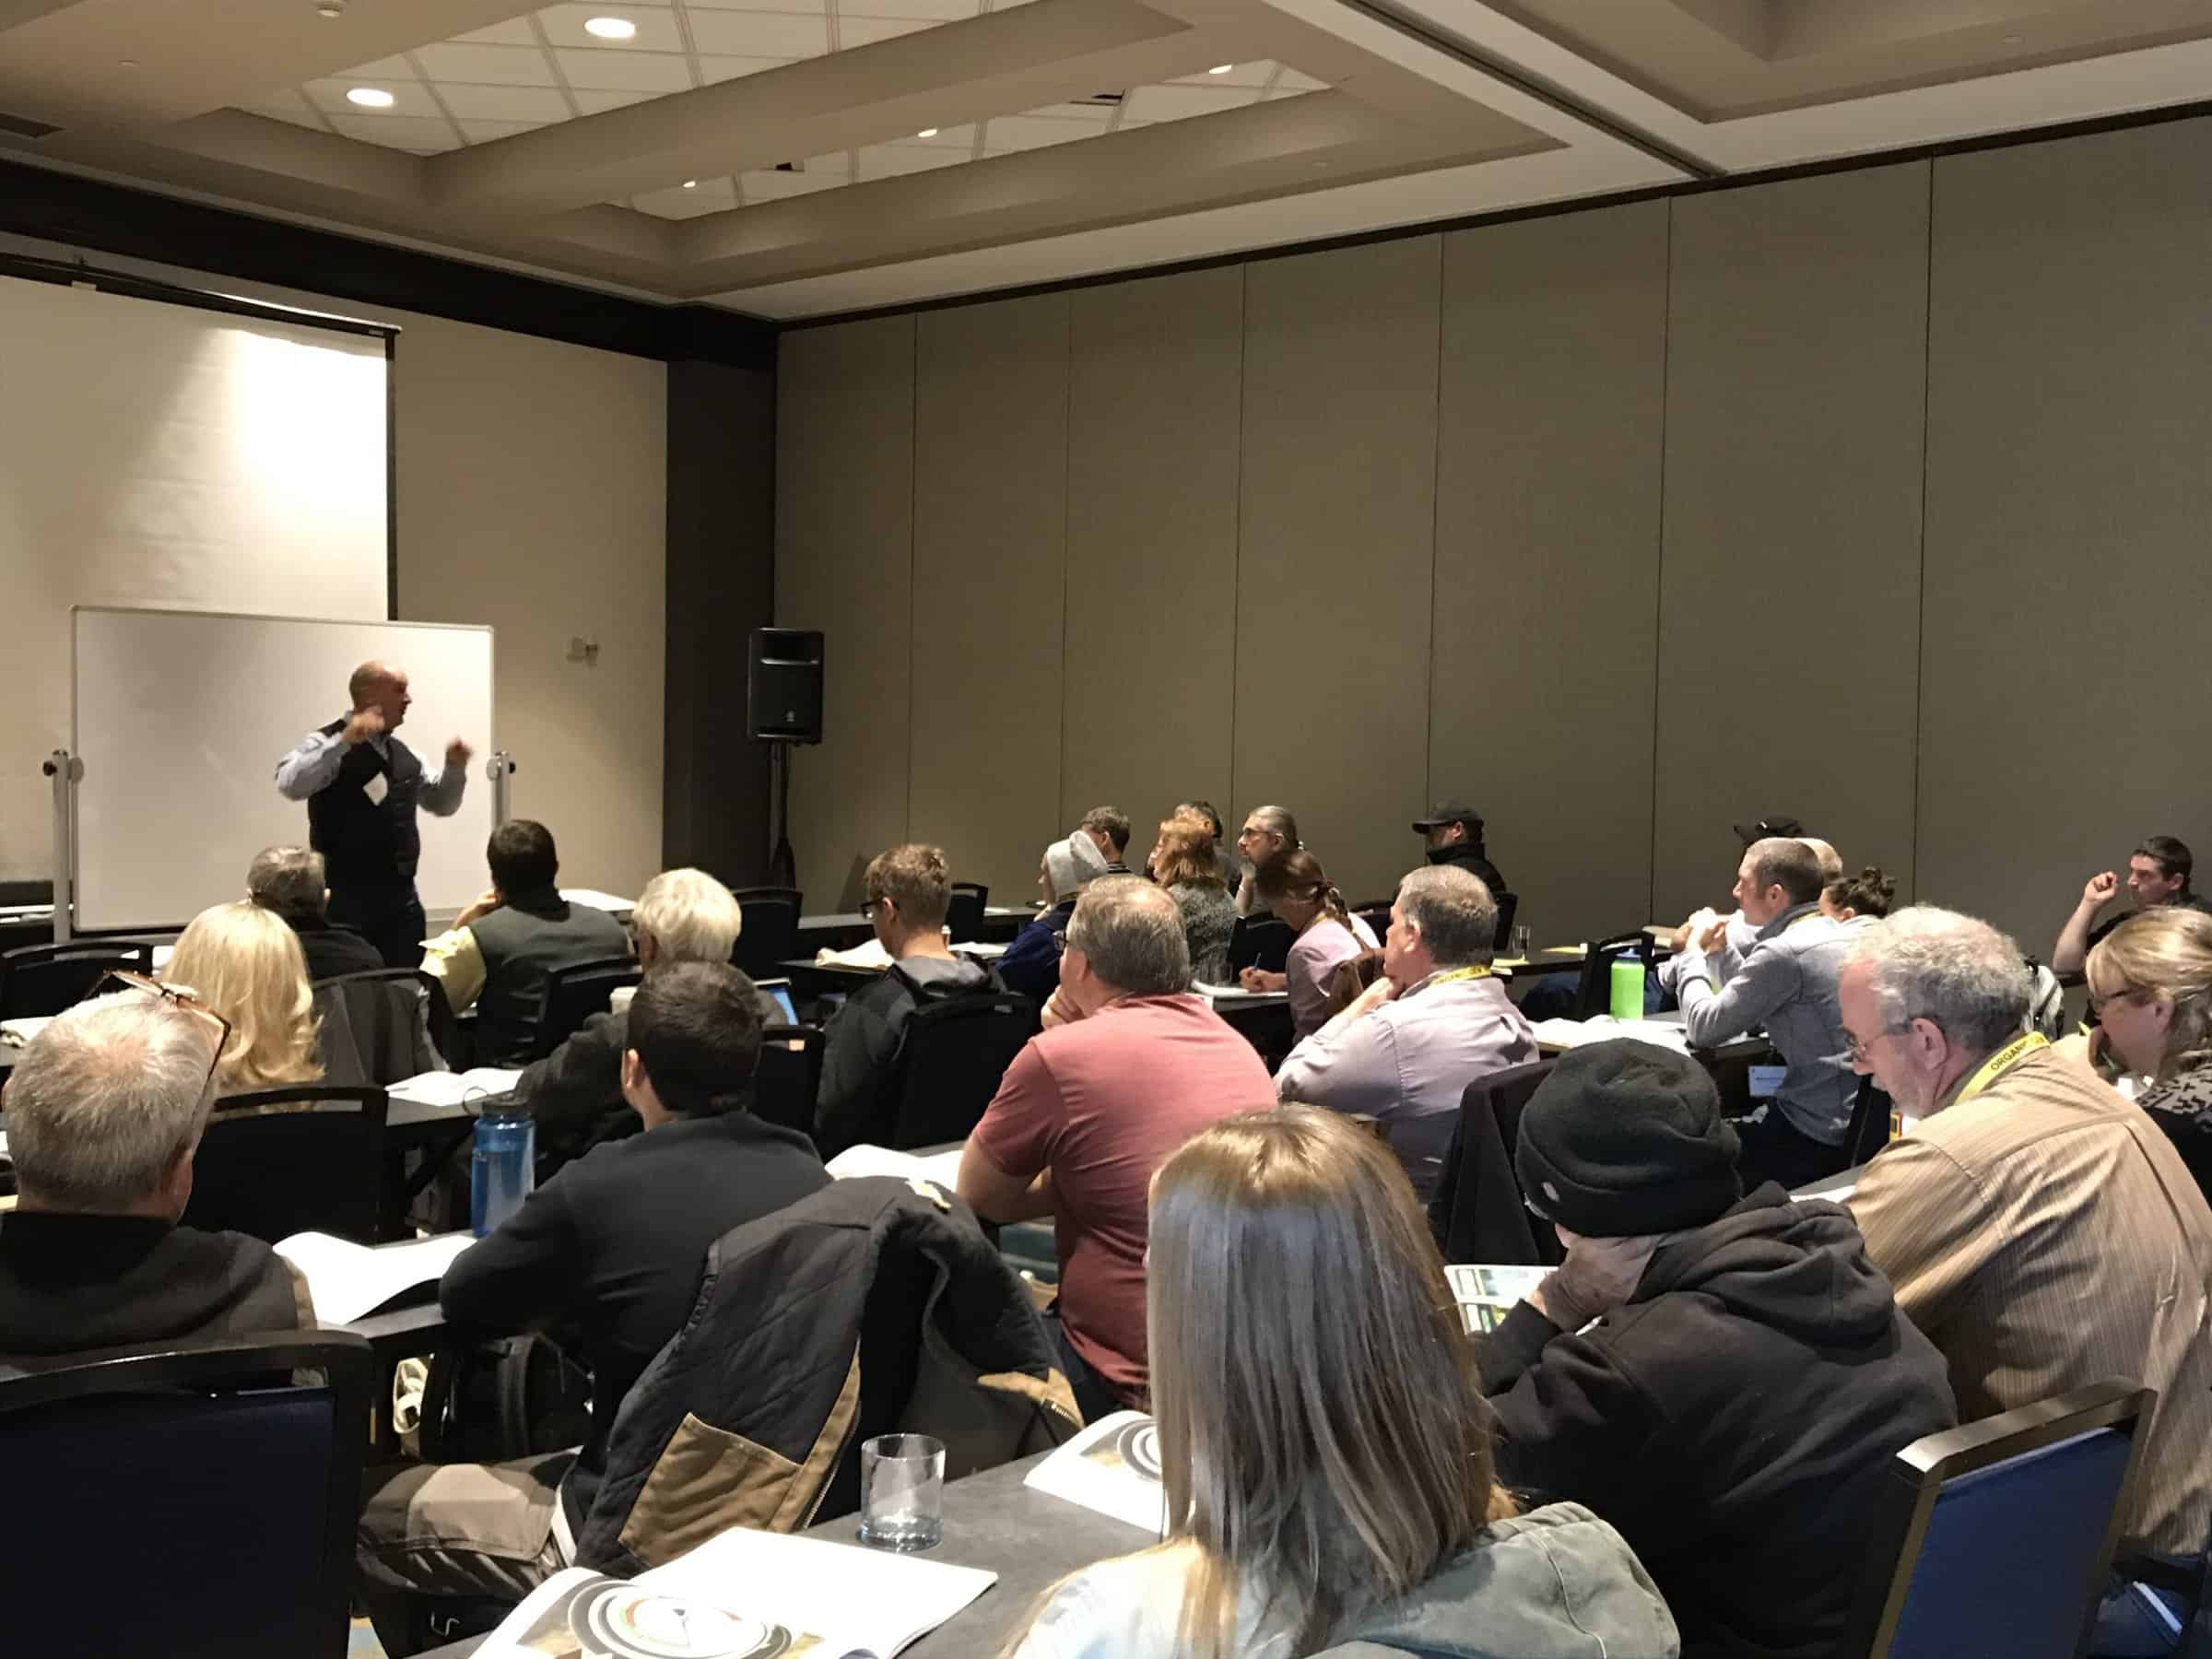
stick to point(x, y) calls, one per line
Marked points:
point(1522, 940)
point(902, 1491)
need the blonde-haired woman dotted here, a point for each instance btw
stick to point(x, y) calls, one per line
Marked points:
point(1323, 1440)
point(2150, 981)
point(245, 963)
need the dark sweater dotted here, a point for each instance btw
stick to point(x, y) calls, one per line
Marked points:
point(71, 1282)
point(1733, 1419)
point(1031, 964)
point(332, 950)
point(613, 1245)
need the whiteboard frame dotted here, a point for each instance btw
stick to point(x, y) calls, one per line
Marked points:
point(69, 764)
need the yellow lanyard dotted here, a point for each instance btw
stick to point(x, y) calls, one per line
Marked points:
point(1450, 974)
point(1998, 1063)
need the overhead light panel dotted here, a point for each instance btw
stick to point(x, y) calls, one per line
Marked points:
point(926, 133)
point(611, 29)
point(1220, 68)
point(370, 98)
point(690, 183)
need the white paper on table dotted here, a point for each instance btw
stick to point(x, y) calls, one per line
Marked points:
point(868, 955)
point(455, 1088)
point(595, 900)
point(980, 951)
point(1573, 1033)
point(1111, 1467)
point(348, 1281)
point(1232, 994)
point(944, 1168)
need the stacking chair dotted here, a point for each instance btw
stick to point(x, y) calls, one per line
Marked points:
point(40, 981)
point(298, 1159)
point(1262, 942)
point(964, 915)
point(576, 992)
point(185, 1498)
point(951, 1060)
point(1593, 992)
point(1869, 1131)
point(1477, 1214)
point(771, 933)
point(1509, 906)
point(785, 1086)
point(1998, 1537)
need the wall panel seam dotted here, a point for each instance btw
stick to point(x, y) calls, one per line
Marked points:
point(1666, 343)
point(1920, 608)
point(1436, 496)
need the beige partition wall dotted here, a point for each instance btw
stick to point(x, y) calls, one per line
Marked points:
point(990, 586)
point(1335, 563)
point(845, 560)
point(1548, 555)
point(1153, 410)
point(2065, 709)
point(1790, 577)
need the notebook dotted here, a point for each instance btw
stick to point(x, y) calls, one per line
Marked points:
point(1111, 1467)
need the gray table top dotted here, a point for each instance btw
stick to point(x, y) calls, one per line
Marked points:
point(991, 1520)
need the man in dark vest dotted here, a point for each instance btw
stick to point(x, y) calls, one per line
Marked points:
point(502, 950)
point(361, 786)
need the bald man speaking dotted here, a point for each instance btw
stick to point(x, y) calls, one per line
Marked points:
point(361, 786)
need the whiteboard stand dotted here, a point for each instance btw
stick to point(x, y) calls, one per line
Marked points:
point(64, 768)
point(498, 768)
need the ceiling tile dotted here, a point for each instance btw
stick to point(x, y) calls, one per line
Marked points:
point(1180, 103)
point(1098, 114)
point(298, 111)
point(515, 32)
point(775, 186)
point(536, 105)
point(384, 69)
point(1030, 132)
point(934, 11)
point(486, 66)
point(712, 195)
point(1300, 83)
point(760, 34)
point(813, 8)
point(1288, 92)
point(953, 138)
point(597, 102)
point(867, 31)
point(626, 71)
point(1239, 75)
point(410, 98)
point(656, 27)
point(714, 69)
point(889, 160)
point(398, 132)
point(839, 162)
point(491, 131)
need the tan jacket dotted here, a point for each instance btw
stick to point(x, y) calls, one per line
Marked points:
point(2045, 1235)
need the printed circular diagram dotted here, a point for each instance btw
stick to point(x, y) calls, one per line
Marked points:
point(628, 1622)
point(1139, 1446)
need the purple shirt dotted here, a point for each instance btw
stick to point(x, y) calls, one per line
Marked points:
point(1316, 955)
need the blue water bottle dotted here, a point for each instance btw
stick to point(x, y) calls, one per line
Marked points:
point(504, 1167)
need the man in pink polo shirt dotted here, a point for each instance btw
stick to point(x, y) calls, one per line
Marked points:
point(1129, 1066)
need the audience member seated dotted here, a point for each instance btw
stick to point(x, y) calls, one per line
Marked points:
point(575, 1094)
point(1786, 983)
point(1723, 1377)
point(2150, 981)
point(2157, 879)
point(501, 952)
point(1405, 1052)
point(1830, 861)
point(1268, 830)
point(1324, 1449)
point(1741, 935)
point(2037, 1227)
point(287, 882)
point(1129, 1065)
point(104, 1113)
point(1453, 832)
point(1031, 963)
point(1183, 861)
point(1295, 887)
point(245, 963)
point(1223, 856)
point(909, 890)
point(1864, 898)
point(1108, 828)
point(613, 1245)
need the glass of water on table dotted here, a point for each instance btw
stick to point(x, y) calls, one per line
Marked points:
point(1523, 941)
point(902, 1491)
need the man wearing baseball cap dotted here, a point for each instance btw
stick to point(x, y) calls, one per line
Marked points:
point(1454, 831)
point(1723, 1377)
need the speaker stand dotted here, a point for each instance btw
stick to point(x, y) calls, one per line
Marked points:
point(782, 864)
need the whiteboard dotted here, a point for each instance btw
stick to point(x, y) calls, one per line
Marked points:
point(180, 718)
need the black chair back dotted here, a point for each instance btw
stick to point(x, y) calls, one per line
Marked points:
point(1376, 916)
point(304, 1158)
point(1509, 906)
point(390, 1013)
point(1869, 1131)
point(38, 981)
point(964, 915)
point(1477, 1214)
point(189, 1499)
point(789, 1079)
point(771, 934)
point(1998, 1537)
point(1594, 991)
point(1262, 942)
point(576, 992)
point(951, 1060)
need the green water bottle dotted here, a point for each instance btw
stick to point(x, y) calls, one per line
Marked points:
point(1628, 987)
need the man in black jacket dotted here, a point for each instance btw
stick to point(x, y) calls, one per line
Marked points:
point(613, 1245)
point(1454, 833)
point(289, 881)
point(1723, 1378)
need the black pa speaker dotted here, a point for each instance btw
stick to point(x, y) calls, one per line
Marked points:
point(783, 686)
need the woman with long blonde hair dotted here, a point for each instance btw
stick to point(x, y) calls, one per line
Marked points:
point(1323, 1442)
point(2150, 981)
point(246, 964)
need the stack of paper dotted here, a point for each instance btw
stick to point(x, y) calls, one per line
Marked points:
point(346, 1280)
point(1573, 1033)
point(869, 954)
point(744, 1595)
point(944, 1168)
point(455, 1088)
point(1111, 1467)
point(612, 904)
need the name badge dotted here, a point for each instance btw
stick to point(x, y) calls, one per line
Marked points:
point(376, 789)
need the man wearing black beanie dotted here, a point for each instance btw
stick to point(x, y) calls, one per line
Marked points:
point(1720, 1376)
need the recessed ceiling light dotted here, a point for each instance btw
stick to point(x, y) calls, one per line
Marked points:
point(370, 98)
point(690, 183)
point(1220, 68)
point(611, 29)
point(926, 133)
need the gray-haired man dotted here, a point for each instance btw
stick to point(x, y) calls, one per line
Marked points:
point(290, 882)
point(104, 1113)
point(1405, 1052)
